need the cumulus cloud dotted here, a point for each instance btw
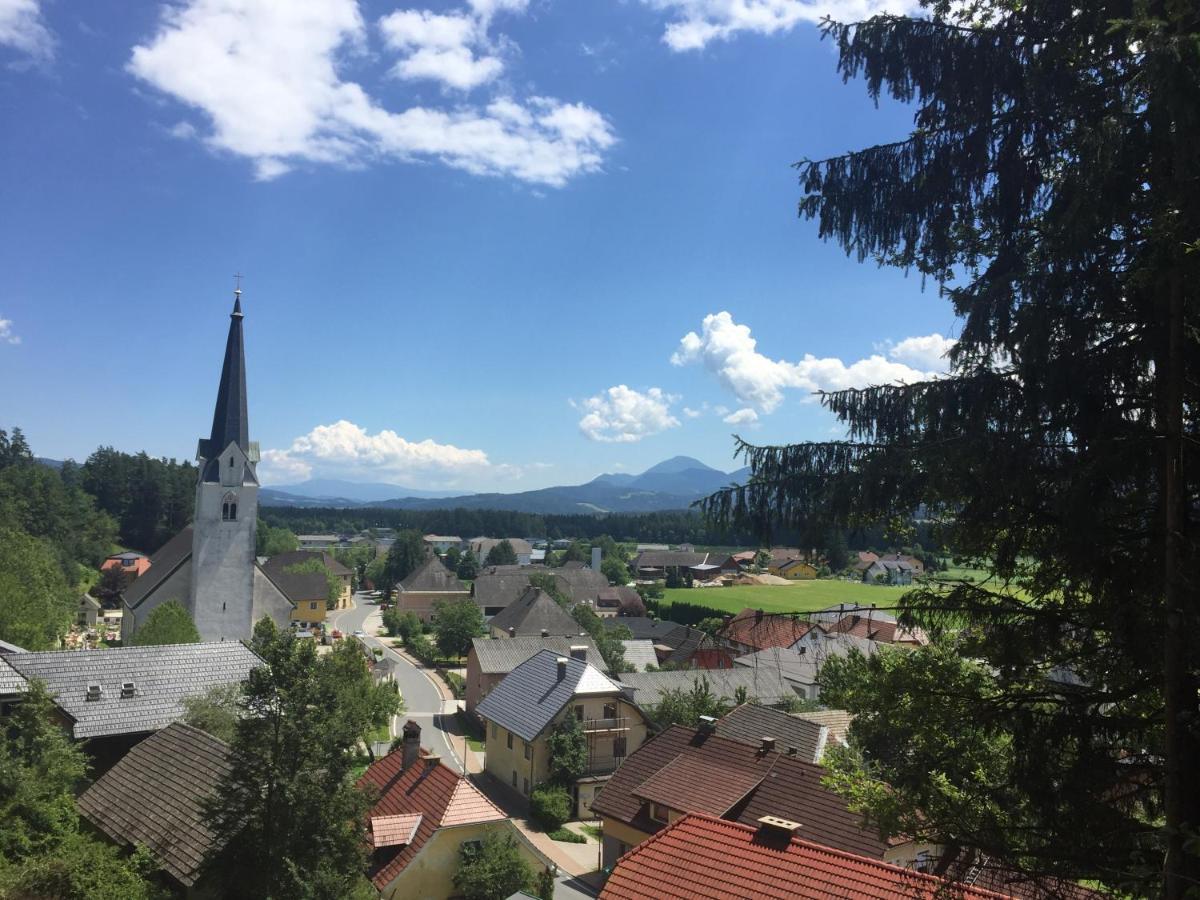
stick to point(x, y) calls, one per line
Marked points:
point(744, 416)
point(928, 352)
point(345, 449)
point(623, 415)
point(730, 352)
point(23, 29)
point(6, 333)
point(453, 49)
point(696, 23)
point(265, 74)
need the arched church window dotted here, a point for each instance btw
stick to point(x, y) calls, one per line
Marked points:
point(231, 462)
point(229, 508)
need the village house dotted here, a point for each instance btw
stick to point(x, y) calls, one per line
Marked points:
point(687, 770)
point(801, 664)
point(154, 798)
point(653, 565)
point(88, 612)
point(862, 559)
point(752, 630)
point(308, 593)
point(426, 585)
point(619, 601)
point(865, 622)
point(888, 571)
point(762, 684)
point(490, 659)
point(793, 569)
point(440, 543)
point(534, 613)
point(917, 565)
point(317, 541)
point(680, 646)
point(130, 563)
point(424, 816)
point(524, 708)
point(280, 562)
point(639, 654)
point(751, 722)
point(482, 546)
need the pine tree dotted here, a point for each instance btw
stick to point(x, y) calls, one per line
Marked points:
point(1051, 189)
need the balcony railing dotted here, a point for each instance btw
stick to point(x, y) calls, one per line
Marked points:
point(619, 724)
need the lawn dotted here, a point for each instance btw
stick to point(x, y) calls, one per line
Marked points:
point(801, 596)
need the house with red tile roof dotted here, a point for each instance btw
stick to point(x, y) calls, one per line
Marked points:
point(130, 563)
point(424, 815)
point(687, 770)
point(752, 630)
point(702, 857)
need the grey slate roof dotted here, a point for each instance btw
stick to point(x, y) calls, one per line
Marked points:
point(281, 561)
point(431, 576)
point(640, 653)
point(502, 655)
point(170, 556)
point(11, 682)
point(659, 559)
point(154, 796)
point(750, 723)
point(532, 613)
point(655, 630)
point(162, 677)
point(530, 696)
point(582, 584)
point(298, 586)
point(766, 685)
point(803, 668)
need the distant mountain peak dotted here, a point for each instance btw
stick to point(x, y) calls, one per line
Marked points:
point(678, 464)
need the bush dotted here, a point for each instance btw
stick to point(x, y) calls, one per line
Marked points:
point(423, 649)
point(456, 683)
point(569, 837)
point(549, 807)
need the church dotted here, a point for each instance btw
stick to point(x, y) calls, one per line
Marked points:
point(210, 567)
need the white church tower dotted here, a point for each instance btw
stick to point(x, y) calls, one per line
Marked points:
point(225, 524)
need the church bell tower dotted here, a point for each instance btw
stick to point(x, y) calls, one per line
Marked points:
point(226, 517)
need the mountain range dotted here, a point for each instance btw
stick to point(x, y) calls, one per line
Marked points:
point(672, 484)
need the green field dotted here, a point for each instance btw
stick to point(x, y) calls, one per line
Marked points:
point(801, 596)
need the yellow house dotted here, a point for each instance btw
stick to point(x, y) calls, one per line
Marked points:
point(425, 817)
point(306, 591)
point(523, 710)
point(792, 569)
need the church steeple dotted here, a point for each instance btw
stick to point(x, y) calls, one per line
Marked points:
point(230, 419)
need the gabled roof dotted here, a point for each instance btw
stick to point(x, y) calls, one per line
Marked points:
point(154, 796)
point(750, 723)
point(162, 676)
point(501, 585)
point(532, 613)
point(640, 654)
point(754, 628)
point(88, 600)
point(656, 630)
point(430, 789)
point(431, 577)
point(761, 683)
point(623, 598)
point(281, 561)
point(665, 559)
point(169, 557)
point(786, 787)
point(701, 857)
point(581, 584)
point(802, 664)
point(836, 720)
point(499, 656)
point(531, 695)
point(298, 587)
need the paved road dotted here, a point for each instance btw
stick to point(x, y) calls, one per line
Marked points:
point(422, 701)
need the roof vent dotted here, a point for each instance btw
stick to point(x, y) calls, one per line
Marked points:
point(768, 744)
point(94, 690)
point(579, 651)
point(545, 632)
point(562, 667)
point(512, 630)
point(126, 690)
point(774, 823)
point(707, 724)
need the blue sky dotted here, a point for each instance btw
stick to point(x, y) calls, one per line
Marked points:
point(493, 244)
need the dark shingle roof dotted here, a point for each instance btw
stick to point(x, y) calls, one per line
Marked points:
point(298, 587)
point(764, 684)
point(162, 677)
point(170, 556)
point(11, 681)
point(532, 613)
point(431, 576)
point(281, 561)
point(502, 655)
point(154, 797)
point(750, 723)
point(501, 585)
point(581, 584)
point(531, 695)
point(640, 627)
point(658, 559)
point(786, 787)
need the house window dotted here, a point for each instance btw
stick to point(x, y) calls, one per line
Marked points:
point(619, 749)
point(528, 750)
point(493, 729)
point(579, 713)
point(659, 813)
point(510, 744)
point(229, 508)
point(610, 710)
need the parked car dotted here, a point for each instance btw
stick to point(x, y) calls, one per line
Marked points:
point(336, 635)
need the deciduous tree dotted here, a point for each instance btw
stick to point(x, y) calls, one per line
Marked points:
point(455, 624)
point(501, 554)
point(492, 871)
point(168, 623)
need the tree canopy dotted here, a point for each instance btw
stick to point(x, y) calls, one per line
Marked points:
point(36, 603)
point(168, 623)
point(492, 871)
point(455, 623)
point(403, 557)
point(1050, 190)
point(501, 554)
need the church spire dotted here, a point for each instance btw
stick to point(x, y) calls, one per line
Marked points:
point(230, 419)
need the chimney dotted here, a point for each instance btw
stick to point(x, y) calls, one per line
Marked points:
point(579, 652)
point(412, 744)
point(562, 667)
point(768, 744)
point(776, 825)
point(596, 559)
point(707, 724)
point(512, 630)
point(127, 690)
point(545, 632)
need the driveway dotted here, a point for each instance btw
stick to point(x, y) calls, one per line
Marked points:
point(423, 702)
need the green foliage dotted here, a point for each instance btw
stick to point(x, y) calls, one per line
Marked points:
point(110, 586)
point(468, 567)
point(151, 499)
point(550, 806)
point(168, 623)
point(550, 584)
point(333, 584)
point(423, 650)
point(502, 554)
point(574, 553)
point(454, 681)
point(216, 711)
point(607, 640)
point(357, 559)
point(36, 603)
point(289, 816)
point(451, 558)
point(544, 887)
point(652, 591)
point(567, 749)
point(685, 706)
point(455, 624)
point(494, 870)
point(838, 552)
point(798, 704)
point(566, 836)
point(402, 559)
point(404, 625)
point(83, 868)
point(614, 570)
point(271, 541)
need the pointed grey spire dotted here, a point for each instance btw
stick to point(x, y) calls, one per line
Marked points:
point(230, 418)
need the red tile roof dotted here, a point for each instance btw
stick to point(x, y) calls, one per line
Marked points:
point(753, 628)
point(787, 787)
point(430, 788)
point(703, 858)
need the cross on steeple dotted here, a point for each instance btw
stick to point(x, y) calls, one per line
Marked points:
point(237, 284)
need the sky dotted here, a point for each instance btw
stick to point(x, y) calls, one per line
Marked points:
point(485, 245)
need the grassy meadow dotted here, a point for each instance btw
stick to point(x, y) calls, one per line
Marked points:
point(800, 596)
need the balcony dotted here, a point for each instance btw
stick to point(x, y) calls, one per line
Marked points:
point(592, 725)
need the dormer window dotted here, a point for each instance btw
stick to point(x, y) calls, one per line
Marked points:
point(229, 508)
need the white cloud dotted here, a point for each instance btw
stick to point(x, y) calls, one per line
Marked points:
point(22, 28)
point(6, 333)
point(695, 23)
point(692, 413)
point(266, 76)
point(728, 350)
point(623, 415)
point(927, 352)
point(443, 48)
point(345, 449)
point(744, 416)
